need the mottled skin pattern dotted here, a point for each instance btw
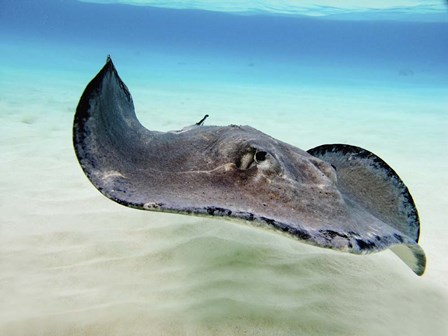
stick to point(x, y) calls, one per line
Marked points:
point(240, 172)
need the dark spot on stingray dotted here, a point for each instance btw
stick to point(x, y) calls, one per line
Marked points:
point(268, 221)
point(330, 234)
point(365, 245)
point(301, 234)
point(216, 211)
point(398, 237)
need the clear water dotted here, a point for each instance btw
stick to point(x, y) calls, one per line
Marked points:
point(72, 262)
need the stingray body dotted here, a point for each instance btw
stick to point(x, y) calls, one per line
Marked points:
point(333, 196)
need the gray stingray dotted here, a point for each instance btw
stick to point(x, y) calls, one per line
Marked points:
point(334, 196)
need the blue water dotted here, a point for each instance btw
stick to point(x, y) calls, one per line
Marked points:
point(72, 262)
point(259, 48)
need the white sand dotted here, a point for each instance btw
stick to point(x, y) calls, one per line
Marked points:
point(74, 263)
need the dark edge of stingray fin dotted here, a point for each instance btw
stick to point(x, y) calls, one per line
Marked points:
point(369, 180)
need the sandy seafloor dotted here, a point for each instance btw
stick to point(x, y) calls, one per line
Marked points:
point(74, 263)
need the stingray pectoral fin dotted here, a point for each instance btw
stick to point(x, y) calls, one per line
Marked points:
point(371, 184)
point(107, 137)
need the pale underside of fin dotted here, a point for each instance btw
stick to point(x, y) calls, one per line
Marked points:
point(411, 255)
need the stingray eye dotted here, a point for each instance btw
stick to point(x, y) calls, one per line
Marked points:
point(266, 163)
point(254, 157)
point(260, 156)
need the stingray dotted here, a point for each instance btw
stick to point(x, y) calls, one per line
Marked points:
point(333, 196)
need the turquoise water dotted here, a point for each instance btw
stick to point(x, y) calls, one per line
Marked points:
point(71, 261)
